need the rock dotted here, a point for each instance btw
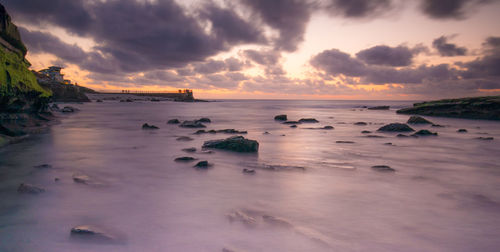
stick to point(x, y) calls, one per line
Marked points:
point(266, 133)
point(346, 142)
point(242, 217)
point(487, 107)
point(388, 144)
point(184, 138)
point(98, 100)
point(231, 131)
point(80, 178)
point(69, 109)
point(204, 120)
point(280, 118)
point(360, 123)
point(366, 132)
point(43, 166)
point(485, 138)
point(184, 159)
point(249, 171)
point(149, 127)
point(379, 108)
point(396, 127)
point(202, 165)
point(402, 135)
point(55, 107)
point(425, 132)
point(383, 168)
point(374, 136)
point(207, 152)
point(192, 149)
point(129, 100)
point(173, 121)
point(291, 122)
point(192, 124)
point(235, 143)
point(293, 126)
point(29, 189)
point(308, 120)
point(90, 232)
point(56, 179)
point(462, 131)
point(437, 126)
point(328, 127)
point(418, 120)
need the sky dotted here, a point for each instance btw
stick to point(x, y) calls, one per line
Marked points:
point(269, 49)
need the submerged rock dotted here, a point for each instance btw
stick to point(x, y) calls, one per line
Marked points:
point(248, 171)
point(202, 165)
point(360, 123)
point(184, 159)
point(69, 109)
point(280, 118)
point(437, 126)
point(192, 124)
point(236, 143)
point(184, 138)
point(462, 131)
point(383, 168)
point(485, 138)
point(396, 127)
point(204, 120)
point(308, 120)
point(379, 108)
point(90, 232)
point(345, 142)
point(243, 218)
point(29, 189)
point(402, 135)
point(366, 132)
point(149, 127)
point(80, 178)
point(98, 100)
point(291, 122)
point(43, 166)
point(192, 149)
point(418, 120)
point(328, 127)
point(226, 131)
point(293, 126)
point(425, 132)
point(173, 121)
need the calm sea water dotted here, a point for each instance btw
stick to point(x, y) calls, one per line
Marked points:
point(321, 196)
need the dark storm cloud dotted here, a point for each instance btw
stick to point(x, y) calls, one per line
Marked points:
point(335, 62)
point(446, 9)
point(492, 43)
point(141, 36)
point(229, 27)
point(289, 17)
point(358, 8)
point(486, 67)
point(388, 56)
point(447, 49)
point(39, 42)
point(210, 66)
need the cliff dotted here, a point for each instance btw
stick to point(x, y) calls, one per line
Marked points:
point(486, 107)
point(23, 102)
point(62, 92)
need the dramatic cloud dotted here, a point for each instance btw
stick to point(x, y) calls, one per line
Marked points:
point(263, 57)
point(39, 42)
point(444, 9)
point(388, 56)
point(335, 62)
point(142, 35)
point(289, 17)
point(358, 8)
point(447, 49)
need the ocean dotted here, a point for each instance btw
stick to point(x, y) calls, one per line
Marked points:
point(309, 192)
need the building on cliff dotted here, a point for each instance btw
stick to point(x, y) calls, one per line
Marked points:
point(54, 73)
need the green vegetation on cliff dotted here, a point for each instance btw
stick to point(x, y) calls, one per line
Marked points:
point(15, 75)
point(485, 107)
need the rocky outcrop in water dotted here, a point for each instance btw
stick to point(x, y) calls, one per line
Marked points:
point(487, 107)
point(424, 132)
point(280, 118)
point(236, 143)
point(192, 124)
point(396, 127)
point(29, 189)
point(383, 168)
point(418, 120)
point(308, 120)
point(379, 108)
point(149, 127)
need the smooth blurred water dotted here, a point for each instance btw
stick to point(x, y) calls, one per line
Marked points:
point(444, 195)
